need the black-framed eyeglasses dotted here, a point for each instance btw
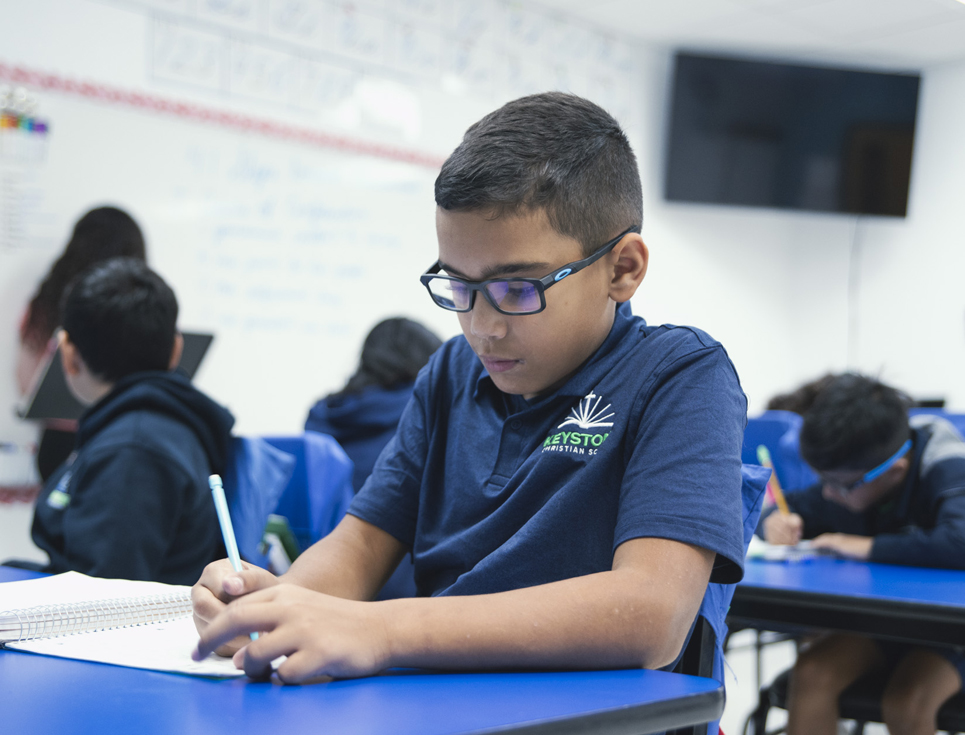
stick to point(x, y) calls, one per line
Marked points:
point(512, 296)
point(871, 474)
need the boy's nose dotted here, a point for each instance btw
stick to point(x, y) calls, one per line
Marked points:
point(485, 321)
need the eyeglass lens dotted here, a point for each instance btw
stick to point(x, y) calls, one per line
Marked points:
point(518, 297)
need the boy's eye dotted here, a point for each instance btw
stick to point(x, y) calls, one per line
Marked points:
point(515, 295)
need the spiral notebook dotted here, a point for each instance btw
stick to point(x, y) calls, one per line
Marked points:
point(142, 625)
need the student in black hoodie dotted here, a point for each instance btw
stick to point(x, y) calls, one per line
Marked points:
point(892, 490)
point(132, 501)
point(364, 415)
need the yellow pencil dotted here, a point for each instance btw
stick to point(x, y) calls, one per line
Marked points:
point(764, 457)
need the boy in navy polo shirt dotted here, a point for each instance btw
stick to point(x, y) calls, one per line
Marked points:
point(567, 478)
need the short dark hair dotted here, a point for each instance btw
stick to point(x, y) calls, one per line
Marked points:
point(855, 423)
point(801, 399)
point(554, 152)
point(122, 318)
point(393, 354)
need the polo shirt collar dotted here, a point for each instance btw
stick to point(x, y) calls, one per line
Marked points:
point(590, 372)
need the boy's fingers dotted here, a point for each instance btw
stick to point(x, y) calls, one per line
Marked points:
point(236, 620)
point(204, 605)
point(248, 580)
point(298, 668)
point(258, 655)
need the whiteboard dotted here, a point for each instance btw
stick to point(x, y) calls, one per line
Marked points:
point(289, 254)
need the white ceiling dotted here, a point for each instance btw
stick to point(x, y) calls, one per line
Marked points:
point(901, 34)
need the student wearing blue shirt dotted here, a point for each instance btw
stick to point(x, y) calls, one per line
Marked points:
point(567, 478)
point(891, 490)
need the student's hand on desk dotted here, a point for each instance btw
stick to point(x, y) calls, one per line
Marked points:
point(846, 545)
point(219, 585)
point(321, 635)
point(783, 529)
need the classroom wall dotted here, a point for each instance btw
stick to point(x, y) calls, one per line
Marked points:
point(771, 285)
point(911, 292)
point(795, 295)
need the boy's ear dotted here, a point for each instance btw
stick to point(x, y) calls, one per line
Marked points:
point(897, 471)
point(630, 259)
point(70, 358)
point(176, 351)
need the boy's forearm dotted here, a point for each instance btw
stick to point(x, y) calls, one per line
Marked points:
point(616, 619)
point(352, 562)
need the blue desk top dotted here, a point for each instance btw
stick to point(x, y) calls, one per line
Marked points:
point(42, 694)
point(12, 574)
point(915, 585)
point(47, 695)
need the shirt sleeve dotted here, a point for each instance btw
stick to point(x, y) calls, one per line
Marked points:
point(683, 474)
point(123, 514)
point(389, 499)
point(942, 545)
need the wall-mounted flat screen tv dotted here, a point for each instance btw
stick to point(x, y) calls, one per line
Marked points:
point(798, 137)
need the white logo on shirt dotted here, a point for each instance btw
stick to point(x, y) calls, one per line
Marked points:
point(585, 414)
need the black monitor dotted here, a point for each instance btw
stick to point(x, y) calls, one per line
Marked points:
point(51, 398)
point(815, 138)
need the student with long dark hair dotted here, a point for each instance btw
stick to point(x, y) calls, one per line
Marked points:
point(363, 415)
point(101, 234)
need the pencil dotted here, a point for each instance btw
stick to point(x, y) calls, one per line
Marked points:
point(764, 457)
point(227, 531)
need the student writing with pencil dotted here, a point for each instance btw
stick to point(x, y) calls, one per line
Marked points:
point(567, 477)
point(892, 490)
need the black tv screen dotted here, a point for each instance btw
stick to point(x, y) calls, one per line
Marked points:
point(798, 137)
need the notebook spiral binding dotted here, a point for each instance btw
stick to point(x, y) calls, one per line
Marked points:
point(48, 621)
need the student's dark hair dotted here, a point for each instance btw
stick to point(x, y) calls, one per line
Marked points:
point(553, 152)
point(855, 423)
point(392, 355)
point(101, 234)
point(801, 399)
point(122, 318)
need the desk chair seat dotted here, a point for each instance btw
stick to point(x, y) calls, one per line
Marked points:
point(860, 702)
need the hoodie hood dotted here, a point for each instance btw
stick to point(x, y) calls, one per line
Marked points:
point(351, 416)
point(167, 393)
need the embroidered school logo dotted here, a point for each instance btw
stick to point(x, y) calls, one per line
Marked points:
point(586, 415)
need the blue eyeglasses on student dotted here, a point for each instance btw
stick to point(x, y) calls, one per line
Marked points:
point(512, 296)
point(873, 474)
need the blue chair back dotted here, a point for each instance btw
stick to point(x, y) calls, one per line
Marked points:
point(778, 431)
point(320, 490)
point(256, 476)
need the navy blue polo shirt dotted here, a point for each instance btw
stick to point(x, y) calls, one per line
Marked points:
point(493, 492)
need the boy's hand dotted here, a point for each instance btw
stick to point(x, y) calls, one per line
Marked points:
point(321, 635)
point(846, 545)
point(219, 585)
point(783, 529)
